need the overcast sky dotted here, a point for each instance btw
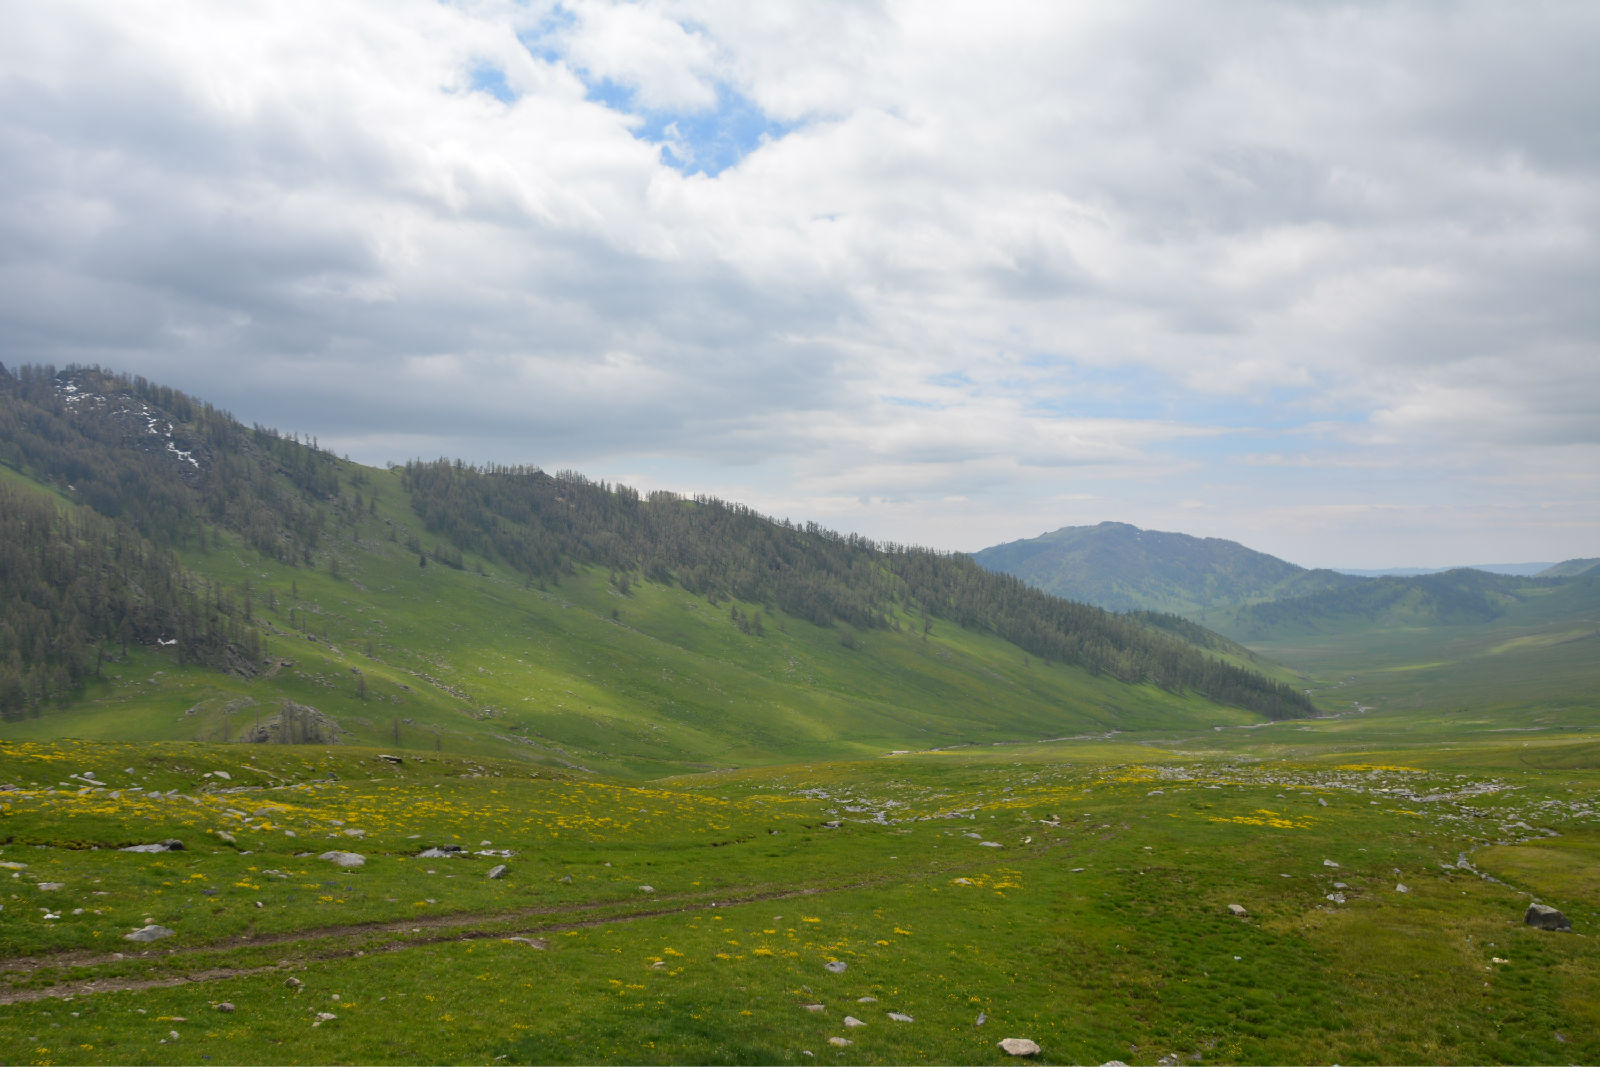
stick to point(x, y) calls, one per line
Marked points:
point(1319, 279)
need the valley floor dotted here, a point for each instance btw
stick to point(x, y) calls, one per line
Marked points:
point(911, 908)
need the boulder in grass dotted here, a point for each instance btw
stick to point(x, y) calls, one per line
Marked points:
point(171, 844)
point(836, 966)
point(497, 871)
point(1237, 909)
point(344, 859)
point(1020, 1046)
point(149, 933)
point(1544, 917)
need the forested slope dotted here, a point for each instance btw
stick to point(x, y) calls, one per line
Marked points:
point(154, 478)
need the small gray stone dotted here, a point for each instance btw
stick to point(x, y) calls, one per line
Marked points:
point(1337, 898)
point(52, 886)
point(813, 1007)
point(148, 933)
point(1402, 888)
point(983, 1017)
point(901, 1017)
point(226, 1008)
point(1020, 1046)
point(852, 1021)
point(647, 889)
point(344, 859)
point(497, 871)
point(1238, 909)
point(840, 1041)
point(531, 942)
point(836, 966)
point(1544, 917)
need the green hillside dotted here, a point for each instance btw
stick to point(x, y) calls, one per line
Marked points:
point(1123, 568)
point(1538, 649)
point(562, 622)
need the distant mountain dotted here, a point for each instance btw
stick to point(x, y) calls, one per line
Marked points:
point(1461, 597)
point(1123, 568)
point(1526, 570)
point(1571, 568)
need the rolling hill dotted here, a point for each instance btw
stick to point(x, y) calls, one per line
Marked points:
point(508, 611)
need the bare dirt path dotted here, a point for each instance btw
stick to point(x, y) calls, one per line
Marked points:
point(459, 927)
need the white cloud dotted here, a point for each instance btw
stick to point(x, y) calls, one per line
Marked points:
point(1048, 253)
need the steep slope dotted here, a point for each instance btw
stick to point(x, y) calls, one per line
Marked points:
point(567, 622)
point(1123, 568)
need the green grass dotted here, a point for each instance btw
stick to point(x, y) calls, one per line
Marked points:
point(1099, 928)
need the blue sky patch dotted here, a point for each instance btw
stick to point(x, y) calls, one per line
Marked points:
point(492, 80)
point(696, 142)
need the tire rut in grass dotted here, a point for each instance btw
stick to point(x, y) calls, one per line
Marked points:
point(460, 928)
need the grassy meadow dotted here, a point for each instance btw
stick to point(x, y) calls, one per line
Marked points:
point(1074, 892)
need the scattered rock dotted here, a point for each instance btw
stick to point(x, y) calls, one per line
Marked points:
point(836, 966)
point(224, 775)
point(344, 859)
point(223, 835)
point(566, 879)
point(293, 983)
point(866, 1000)
point(1544, 917)
point(813, 1007)
point(443, 852)
point(226, 1008)
point(983, 1017)
point(171, 844)
point(392, 759)
point(49, 887)
point(1020, 1046)
point(1238, 909)
point(1322, 802)
point(833, 824)
point(840, 1041)
point(990, 844)
point(324, 1017)
point(8, 865)
point(901, 1017)
point(1171, 1059)
point(852, 1021)
point(647, 889)
point(497, 871)
point(148, 933)
point(1337, 898)
point(1330, 863)
point(1402, 888)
